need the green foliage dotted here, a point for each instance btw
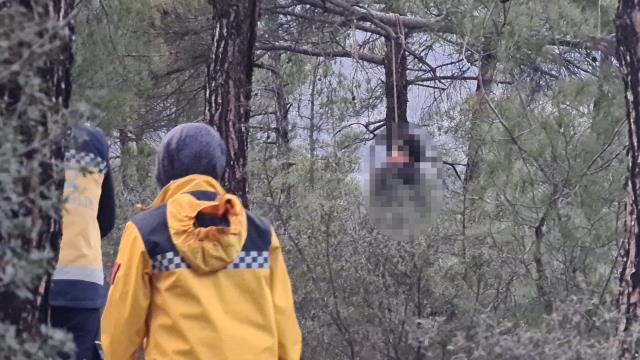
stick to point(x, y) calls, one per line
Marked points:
point(135, 185)
point(552, 139)
point(52, 343)
point(32, 125)
point(116, 58)
point(577, 330)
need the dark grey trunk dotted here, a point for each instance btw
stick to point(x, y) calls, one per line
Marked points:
point(487, 65)
point(281, 109)
point(628, 42)
point(312, 127)
point(395, 81)
point(541, 279)
point(40, 193)
point(486, 79)
point(228, 84)
point(395, 77)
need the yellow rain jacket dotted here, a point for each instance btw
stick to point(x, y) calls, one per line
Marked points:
point(199, 277)
point(89, 215)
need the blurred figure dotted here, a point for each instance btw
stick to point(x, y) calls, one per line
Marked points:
point(197, 276)
point(77, 291)
point(402, 180)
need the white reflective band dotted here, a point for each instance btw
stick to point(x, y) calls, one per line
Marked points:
point(76, 272)
point(251, 260)
point(85, 160)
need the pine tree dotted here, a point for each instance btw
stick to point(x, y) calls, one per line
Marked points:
point(35, 89)
point(228, 85)
point(628, 39)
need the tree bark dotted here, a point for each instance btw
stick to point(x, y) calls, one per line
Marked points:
point(628, 52)
point(395, 83)
point(487, 66)
point(292, 48)
point(486, 80)
point(39, 195)
point(312, 136)
point(228, 84)
point(541, 278)
point(281, 110)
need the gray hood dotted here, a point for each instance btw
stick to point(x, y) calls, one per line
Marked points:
point(189, 149)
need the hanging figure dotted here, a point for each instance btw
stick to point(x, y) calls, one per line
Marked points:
point(405, 180)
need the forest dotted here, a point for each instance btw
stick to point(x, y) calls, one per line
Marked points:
point(533, 105)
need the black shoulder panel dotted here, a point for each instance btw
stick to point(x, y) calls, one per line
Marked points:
point(258, 234)
point(152, 226)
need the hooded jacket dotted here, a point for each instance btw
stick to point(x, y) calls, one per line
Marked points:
point(89, 215)
point(199, 277)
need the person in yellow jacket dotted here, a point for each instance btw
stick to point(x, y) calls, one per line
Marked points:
point(197, 276)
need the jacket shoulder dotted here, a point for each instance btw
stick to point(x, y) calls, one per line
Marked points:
point(90, 140)
point(152, 227)
point(258, 233)
point(88, 148)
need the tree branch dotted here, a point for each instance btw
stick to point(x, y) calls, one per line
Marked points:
point(605, 44)
point(341, 23)
point(372, 126)
point(357, 55)
point(410, 23)
point(453, 166)
point(441, 78)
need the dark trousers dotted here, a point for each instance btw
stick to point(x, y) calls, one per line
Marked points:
point(83, 324)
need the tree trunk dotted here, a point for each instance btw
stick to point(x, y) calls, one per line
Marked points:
point(395, 83)
point(541, 278)
point(312, 136)
point(281, 110)
point(228, 84)
point(486, 74)
point(486, 79)
point(31, 114)
point(628, 42)
point(125, 160)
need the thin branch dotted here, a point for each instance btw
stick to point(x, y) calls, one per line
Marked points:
point(379, 124)
point(357, 55)
point(424, 62)
point(410, 23)
point(263, 113)
point(453, 166)
point(441, 78)
point(271, 69)
point(341, 23)
point(605, 44)
point(609, 143)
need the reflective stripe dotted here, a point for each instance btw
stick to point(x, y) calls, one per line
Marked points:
point(168, 262)
point(251, 260)
point(85, 160)
point(76, 272)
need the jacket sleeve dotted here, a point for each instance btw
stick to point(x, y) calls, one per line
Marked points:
point(123, 327)
point(289, 336)
point(93, 141)
point(107, 204)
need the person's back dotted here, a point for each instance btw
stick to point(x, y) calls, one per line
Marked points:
point(77, 291)
point(197, 276)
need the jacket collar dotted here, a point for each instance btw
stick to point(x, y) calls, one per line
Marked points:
point(187, 184)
